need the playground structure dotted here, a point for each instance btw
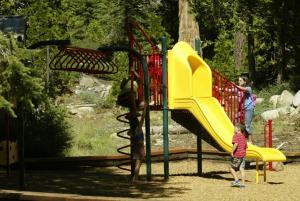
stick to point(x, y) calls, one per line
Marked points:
point(183, 84)
point(200, 99)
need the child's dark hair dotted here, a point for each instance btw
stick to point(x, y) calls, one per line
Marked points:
point(241, 127)
point(247, 80)
point(134, 122)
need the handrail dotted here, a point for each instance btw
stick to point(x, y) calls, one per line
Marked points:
point(230, 97)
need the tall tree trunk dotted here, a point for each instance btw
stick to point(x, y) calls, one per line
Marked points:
point(239, 42)
point(251, 58)
point(250, 38)
point(188, 27)
point(282, 41)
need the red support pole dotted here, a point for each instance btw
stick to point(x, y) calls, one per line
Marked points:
point(265, 134)
point(270, 142)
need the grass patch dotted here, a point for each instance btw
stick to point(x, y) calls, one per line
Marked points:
point(95, 134)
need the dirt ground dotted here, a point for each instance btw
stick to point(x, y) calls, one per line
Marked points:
point(184, 184)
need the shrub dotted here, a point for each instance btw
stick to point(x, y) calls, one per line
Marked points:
point(47, 133)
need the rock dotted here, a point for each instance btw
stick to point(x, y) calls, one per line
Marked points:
point(270, 114)
point(81, 110)
point(259, 100)
point(72, 111)
point(158, 142)
point(105, 91)
point(88, 81)
point(278, 166)
point(273, 100)
point(173, 129)
point(296, 111)
point(296, 99)
point(93, 85)
point(285, 99)
point(283, 110)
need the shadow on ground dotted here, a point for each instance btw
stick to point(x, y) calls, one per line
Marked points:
point(92, 181)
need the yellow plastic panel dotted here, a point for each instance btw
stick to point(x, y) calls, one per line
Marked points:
point(201, 77)
point(197, 80)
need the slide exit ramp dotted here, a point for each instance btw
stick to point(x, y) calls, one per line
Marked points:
point(190, 88)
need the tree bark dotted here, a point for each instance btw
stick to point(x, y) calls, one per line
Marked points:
point(282, 42)
point(250, 38)
point(188, 27)
point(239, 42)
point(251, 58)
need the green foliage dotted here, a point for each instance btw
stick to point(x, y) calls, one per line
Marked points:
point(47, 133)
point(22, 95)
point(168, 10)
point(19, 84)
point(295, 81)
point(273, 24)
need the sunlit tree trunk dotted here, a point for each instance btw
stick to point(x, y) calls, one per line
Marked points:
point(188, 27)
point(282, 22)
point(239, 42)
point(250, 39)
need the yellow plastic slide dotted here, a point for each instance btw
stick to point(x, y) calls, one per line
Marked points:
point(190, 88)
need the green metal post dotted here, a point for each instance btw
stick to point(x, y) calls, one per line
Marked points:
point(198, 46)
point(147, 119)
point(165, 108)
point(21, 151)
point(199, 141)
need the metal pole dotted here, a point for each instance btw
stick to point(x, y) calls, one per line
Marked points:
point(147, 119)
point(270, 142)
point(130, 57)
point(165, 108)
point(199, 141)
point(199, 154)
point(7, 120)
point(47, 68)
point(198, 47)
point(21, 153)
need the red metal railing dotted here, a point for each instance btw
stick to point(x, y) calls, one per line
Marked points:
point(230, 97)
point(155, 79)
point(154, 61)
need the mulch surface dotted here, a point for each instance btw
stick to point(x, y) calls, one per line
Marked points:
point(111, 183)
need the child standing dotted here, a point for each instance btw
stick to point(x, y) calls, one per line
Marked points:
point(248, 105)
point(137, 138)
point(238, 154)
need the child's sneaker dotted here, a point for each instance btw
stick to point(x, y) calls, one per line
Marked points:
point(236, 183)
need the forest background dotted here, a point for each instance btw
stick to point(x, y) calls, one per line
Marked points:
point(258, 38)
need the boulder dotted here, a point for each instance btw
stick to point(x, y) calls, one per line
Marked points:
point(296, 111)
point(81, 110)
point(259, 100)
point(283, 110)
point(278, 166)
point(285, 99)
point(87, 81)
point(270, 114)
point(273, 100)
point(173, 129)
point(296, 99)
